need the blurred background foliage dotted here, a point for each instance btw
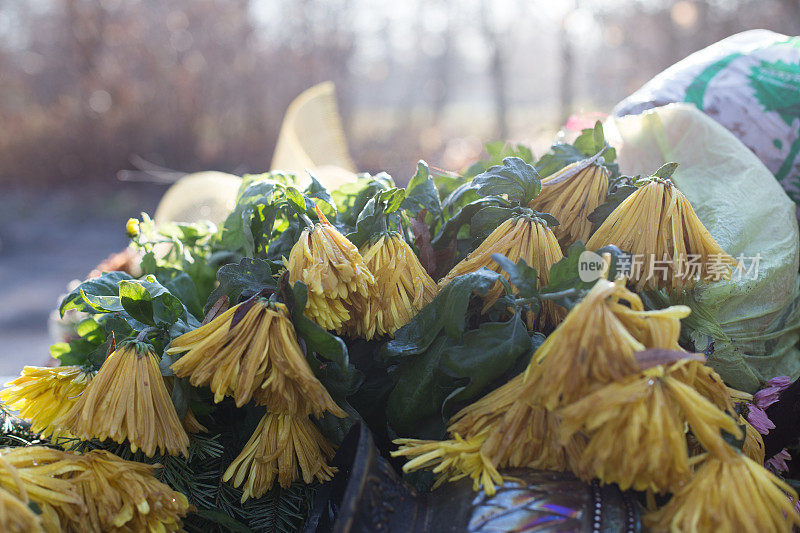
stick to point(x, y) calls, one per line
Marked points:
point(88, 87)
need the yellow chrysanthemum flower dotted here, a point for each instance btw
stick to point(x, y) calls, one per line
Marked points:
point(645, 415)
point(518, 433)
point(43, 394)
point(596, 343)
point(729, 494)
point(128, 399)
point(451, 460)
point(39, 474)
point(516, 238)
point(657, 223)
point(338, 280)
point(122, 496)
point(753, 446)
point(402, 287)
point(251, 352)
point(280, 444)
point(591, 348)
point(16, 516)
point(570, 195)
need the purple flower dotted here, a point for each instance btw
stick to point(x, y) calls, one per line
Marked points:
point(782, 382)
point(759, 420)
point(777, 463)
point(769, 395)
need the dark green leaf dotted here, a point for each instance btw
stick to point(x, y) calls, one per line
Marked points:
point(446, 313)
point(241, 281)
point(514, 179)
point(334, 369)
point(483, 356)
point(522, 276)
point(421, 192)
point(616, 195)
point(487, 219)
point(414, 406)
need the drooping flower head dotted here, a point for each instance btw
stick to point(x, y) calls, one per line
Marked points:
point(730, 493)
point(658, 225)
point(596, 343)
point(527, 238)
point(285, 448)
point(122, 495)
point(402, 287)
point(334, 271)
point(43, 394)
point(570, 195)
point(591, 348)
point(645, 414)
point(249, 352)
point(128, 400)
point(39, 474)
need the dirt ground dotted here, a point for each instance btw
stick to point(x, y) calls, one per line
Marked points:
point(47, 239)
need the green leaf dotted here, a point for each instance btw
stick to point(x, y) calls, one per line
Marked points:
point(514, 179)
point(487, 220)
point(137, 301)
point(523, 277)
point(151, 303)
point(95, 295)
point(378, 216)
point(497, 151)
point(615, 196)
point(241, 281)
point(484, 355)
point(446, 313)
point(421, 192)
point(351, 197)
point(296, 200)
point(666, 171)
point(318, 191)
point(414, 405)
point(334, 369)
point(450, 229)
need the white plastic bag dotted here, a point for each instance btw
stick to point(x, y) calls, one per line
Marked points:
point(749, 215)
point(749, 83)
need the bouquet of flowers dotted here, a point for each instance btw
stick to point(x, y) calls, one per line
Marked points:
point(211, 391)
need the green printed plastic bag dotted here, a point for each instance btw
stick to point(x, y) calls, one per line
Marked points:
point(749, 83)
point(750, 216)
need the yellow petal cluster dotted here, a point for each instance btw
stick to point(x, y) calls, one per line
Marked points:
point(753, 446)
point(516, 238)
point(596, 343)
point(41, 475)
point(402, 287)
point(16, 516)
point(94, 492)
point(334, 271)
point(645, 415)
point(122, 496)
point(658, 225)
point(729, 494)
point(570, 195)
point(592, 347)
point(451, 460)
point(280, 444)
point(128, 399)
point(251, 352)
point(43, 394)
